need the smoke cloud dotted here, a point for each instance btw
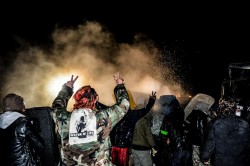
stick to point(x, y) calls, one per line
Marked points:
point(90, 52)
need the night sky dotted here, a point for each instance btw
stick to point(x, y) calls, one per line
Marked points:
point(206, 38)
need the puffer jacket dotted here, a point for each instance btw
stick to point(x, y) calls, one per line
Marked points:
point(122, 134)
point(95, 152)
point(16, 140)
point(198, 126)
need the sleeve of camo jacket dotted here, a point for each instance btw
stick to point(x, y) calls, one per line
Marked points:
point(120, 108)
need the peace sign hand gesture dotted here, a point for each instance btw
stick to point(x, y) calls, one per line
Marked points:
point(71, 82)
point(117, 78)
point(153, 96)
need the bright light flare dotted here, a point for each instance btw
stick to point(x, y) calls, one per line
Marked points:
point(56, 83)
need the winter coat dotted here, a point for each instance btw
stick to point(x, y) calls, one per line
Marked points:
point(143, 137)
point(227, 143)
point(122, 133)
point(177, 132)
point(164, 106)
point(95, 152)
point(16, 139)
point(179, 150)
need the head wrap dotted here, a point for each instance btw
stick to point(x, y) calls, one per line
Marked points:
point(85, 97)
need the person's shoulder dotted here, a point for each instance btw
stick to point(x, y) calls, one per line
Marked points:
point(243, 121)
point(218, 121)
point(21, 124)
point(22, 120)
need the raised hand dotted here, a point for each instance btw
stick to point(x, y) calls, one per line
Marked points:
point(118, 78)
point(72, 81)
point(153, 95)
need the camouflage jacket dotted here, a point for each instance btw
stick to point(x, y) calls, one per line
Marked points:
point(95, 152)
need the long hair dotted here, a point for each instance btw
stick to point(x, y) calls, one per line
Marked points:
point(85, 97)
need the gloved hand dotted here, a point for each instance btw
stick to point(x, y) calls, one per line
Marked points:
point(153, 96)
point(153, 151)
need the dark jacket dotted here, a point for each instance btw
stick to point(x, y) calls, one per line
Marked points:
point(16, 139)
point(176, 131)
point(122, 133)
point(227, 143)
point(197, 126)
point(173, 125)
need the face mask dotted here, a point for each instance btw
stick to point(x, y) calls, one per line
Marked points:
point(165, 110)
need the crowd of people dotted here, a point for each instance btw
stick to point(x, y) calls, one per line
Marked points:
point(95, 134)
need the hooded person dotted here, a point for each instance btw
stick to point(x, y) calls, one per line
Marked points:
point(163, 107)
point(91, 144)
point(17, 139)
point(175, 148)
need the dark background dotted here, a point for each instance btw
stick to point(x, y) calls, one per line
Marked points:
point(207, 36)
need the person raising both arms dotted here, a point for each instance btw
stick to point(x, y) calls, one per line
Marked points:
point(91, 144)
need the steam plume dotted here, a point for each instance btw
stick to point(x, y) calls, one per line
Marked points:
point(92, 53)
